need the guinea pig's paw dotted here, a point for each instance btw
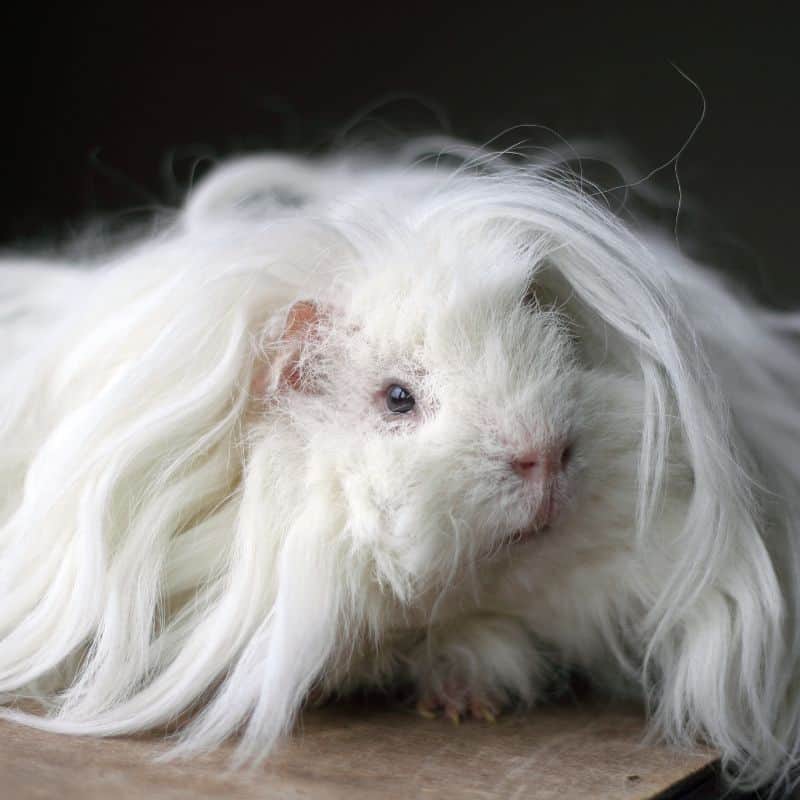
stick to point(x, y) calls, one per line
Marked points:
point(457, 700)
point(475, 667)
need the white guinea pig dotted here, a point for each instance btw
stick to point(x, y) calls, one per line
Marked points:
point(358, 423)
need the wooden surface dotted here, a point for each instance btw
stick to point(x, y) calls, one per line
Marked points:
point(573, 752)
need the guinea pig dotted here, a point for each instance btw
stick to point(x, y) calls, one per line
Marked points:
point(363, 422)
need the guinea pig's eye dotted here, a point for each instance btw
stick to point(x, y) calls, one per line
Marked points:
point(399, 400)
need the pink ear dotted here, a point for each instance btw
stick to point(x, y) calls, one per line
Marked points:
point(302, 322)
point(302, 316)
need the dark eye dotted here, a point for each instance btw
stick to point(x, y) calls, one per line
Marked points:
point(399, 400)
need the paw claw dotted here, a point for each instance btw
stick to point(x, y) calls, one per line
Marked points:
point(482, 711)
point(455, 704)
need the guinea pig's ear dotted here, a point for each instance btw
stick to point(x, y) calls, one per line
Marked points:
point(302, 324)
point(286, 367)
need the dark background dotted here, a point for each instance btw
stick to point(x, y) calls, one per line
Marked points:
point(111, 106)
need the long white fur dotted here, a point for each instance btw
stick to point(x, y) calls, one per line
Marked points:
point(182, 531)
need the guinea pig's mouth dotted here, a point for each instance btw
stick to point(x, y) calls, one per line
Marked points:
point(545, 516)
point(527, 534)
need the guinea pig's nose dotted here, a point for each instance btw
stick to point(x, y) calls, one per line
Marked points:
point(542, 464)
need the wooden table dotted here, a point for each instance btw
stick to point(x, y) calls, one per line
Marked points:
point(572, 751)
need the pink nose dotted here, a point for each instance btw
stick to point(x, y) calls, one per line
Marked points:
point(542, 465)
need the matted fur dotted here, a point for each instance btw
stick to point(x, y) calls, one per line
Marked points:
point(182, 523)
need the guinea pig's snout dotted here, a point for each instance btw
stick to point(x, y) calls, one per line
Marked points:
point(543, 472)
point(542, 465)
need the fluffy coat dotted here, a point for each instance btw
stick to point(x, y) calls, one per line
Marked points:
point(207, 505)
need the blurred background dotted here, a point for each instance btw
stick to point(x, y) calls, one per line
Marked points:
point(113, 107)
